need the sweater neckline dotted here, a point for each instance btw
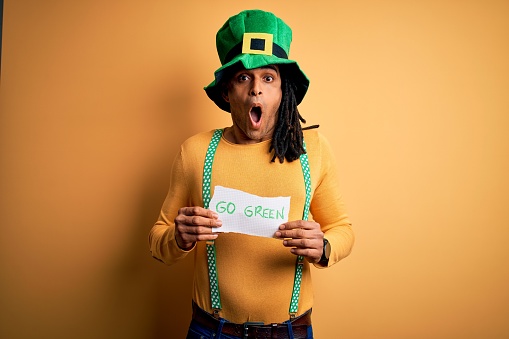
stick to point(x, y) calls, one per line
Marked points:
point(254, 145)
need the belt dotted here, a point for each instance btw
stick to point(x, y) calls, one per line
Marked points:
point(253, 329)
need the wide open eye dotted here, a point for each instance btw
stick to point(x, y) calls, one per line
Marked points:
point(242, 78)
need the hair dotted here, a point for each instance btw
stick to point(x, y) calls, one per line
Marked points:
point(287, 140)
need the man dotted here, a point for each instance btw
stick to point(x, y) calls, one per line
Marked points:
point(244, 285)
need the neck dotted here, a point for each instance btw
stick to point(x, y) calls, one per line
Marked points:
point(233, 136)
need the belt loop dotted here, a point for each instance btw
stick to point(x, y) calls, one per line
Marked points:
point(273, 331)
point(290, 330)
point(220, 328)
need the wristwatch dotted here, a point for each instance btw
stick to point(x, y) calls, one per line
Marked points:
point(324, 260)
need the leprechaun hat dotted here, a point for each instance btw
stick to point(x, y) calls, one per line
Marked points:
point(253, 39)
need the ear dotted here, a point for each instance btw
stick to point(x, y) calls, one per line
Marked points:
point(224, 94)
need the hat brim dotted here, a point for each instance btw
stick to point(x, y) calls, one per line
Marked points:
point(252, 61)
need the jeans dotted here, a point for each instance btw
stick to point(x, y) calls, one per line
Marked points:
point(197, 331)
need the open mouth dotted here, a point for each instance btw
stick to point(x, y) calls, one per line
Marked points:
point(256, 114)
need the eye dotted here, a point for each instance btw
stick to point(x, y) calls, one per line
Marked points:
point(242, 77)
point(269, 78)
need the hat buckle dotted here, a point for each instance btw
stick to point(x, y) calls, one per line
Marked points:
point(257, 43)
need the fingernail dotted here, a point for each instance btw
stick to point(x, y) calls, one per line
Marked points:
point(285, 242)
point(277, 234)
point(282, 227)
point(219, 222)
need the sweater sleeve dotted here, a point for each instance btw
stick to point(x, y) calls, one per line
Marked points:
point(163, 245)
point(328, 209)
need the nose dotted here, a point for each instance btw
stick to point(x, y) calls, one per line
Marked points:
point(256, 88)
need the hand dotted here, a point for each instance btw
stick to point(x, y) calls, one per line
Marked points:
point(194, 224)
point(304, 237)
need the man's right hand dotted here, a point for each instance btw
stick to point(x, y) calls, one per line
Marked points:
point(194, 224)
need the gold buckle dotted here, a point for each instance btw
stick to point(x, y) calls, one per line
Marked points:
point(248, 40)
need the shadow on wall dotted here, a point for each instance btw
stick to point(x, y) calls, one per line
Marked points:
point(163, 292)
point(172, 285)
point(169, 296)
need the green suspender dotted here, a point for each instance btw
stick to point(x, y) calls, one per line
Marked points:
point(211, 249)
point(294, 303)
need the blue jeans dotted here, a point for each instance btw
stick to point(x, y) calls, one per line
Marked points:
point(197, 331)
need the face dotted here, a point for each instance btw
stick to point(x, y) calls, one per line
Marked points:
point(254, 96)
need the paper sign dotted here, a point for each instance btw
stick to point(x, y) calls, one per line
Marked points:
point(246, 213)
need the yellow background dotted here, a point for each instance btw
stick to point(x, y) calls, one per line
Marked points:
point(96, 97)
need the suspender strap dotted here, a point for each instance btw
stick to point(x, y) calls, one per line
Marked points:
point(215, 298)
point(294, 303)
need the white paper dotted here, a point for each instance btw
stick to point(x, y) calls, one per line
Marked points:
point(246, 213)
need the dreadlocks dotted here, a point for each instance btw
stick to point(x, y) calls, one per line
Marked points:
point(287, 140)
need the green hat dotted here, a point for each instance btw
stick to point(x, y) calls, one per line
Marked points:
point(253, 39)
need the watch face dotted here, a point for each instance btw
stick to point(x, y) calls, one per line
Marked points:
point(326, 248)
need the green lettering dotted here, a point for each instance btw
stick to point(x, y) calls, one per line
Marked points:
point(220, 207)
point(223, 206)
point(258, 209)
point(248, 212)
point(230, 208)
point(280, 214)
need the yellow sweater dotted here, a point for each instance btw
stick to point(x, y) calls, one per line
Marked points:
point(255, 274)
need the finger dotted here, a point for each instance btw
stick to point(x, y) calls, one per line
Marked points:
point(310, 254)
point(192, 238)
point(300, 234)
point(294, 234)
point(195, 230)
point(304, 243)
point(197, 221)
point(307, 225)
point(198, 211)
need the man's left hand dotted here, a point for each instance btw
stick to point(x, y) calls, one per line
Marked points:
point(304, 237)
